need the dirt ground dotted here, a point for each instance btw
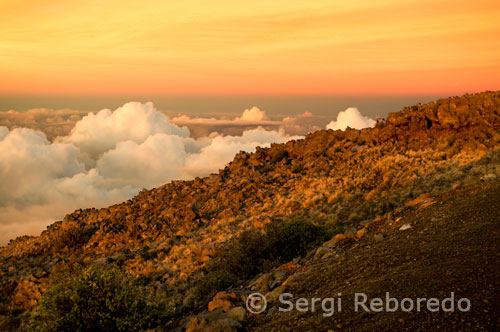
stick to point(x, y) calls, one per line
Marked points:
point(453, 245)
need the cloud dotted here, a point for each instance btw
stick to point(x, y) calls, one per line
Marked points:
point(106, 158)
point(352, 118)
point(60, 123)
point(39, 182)
point(252, 118)
point(222, 149)
point(253, 115)
point(97, 133)
point(4, 131)
point(301, 124)
point(29, 165)
point(159, 158)
point(51, 122)
point(249, 119)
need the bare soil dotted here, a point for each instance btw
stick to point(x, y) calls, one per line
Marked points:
point(453, 245)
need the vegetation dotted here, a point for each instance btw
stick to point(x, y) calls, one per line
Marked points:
point(253, 252)
point(97, 299)
point(278, 156)
point(72, 236)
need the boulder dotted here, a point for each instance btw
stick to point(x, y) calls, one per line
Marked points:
point(405, 227)
point(360, 233)
point(323, 252)
point(238, 314)
point(273, 296)
point(488, 177)
point(223, 304)
point(335, 240)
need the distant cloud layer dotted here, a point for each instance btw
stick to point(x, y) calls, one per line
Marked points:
point(60, 123)
point(51, 122)
point(352, 118)
point(252, 115)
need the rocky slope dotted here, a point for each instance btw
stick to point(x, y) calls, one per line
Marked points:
point(335, 178)
point(449, 244)
point(431, 248)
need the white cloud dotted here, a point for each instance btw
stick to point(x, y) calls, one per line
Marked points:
point(51, 122)
point(60, 123)
point(301, 124)
point(159, 158)
point(4, 131)
point(29, 164)
point(253, 115)
point(223, 148)
point(97, 133)
point(352, 118)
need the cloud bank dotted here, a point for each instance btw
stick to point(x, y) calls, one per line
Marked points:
point(250, 118)
point(107, 158)
point(51, 122)
point(133, 122)
point(60, 123)
point(253, 115)
point(352, 118)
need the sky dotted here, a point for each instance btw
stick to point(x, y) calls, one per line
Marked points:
point(258, 47)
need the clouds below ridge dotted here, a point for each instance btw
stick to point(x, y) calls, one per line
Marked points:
point(253, 115)
point(109, 156)
point(97, 133)
point(352, 118)
point(106, 158)
point(51, 122)
point(60, 123)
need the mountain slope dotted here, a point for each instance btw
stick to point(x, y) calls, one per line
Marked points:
point(334, 178)
point(452, 246)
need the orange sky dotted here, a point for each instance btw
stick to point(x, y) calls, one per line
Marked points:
point(258, 46)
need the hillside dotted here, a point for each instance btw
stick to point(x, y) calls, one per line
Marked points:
point(341, 180)
point(452, 246)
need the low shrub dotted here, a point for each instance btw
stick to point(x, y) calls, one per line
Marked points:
point(253, 252)
point(95, 299)
point(213, 281)
point(72, 237)
point(297, 168)
point(278, 156)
